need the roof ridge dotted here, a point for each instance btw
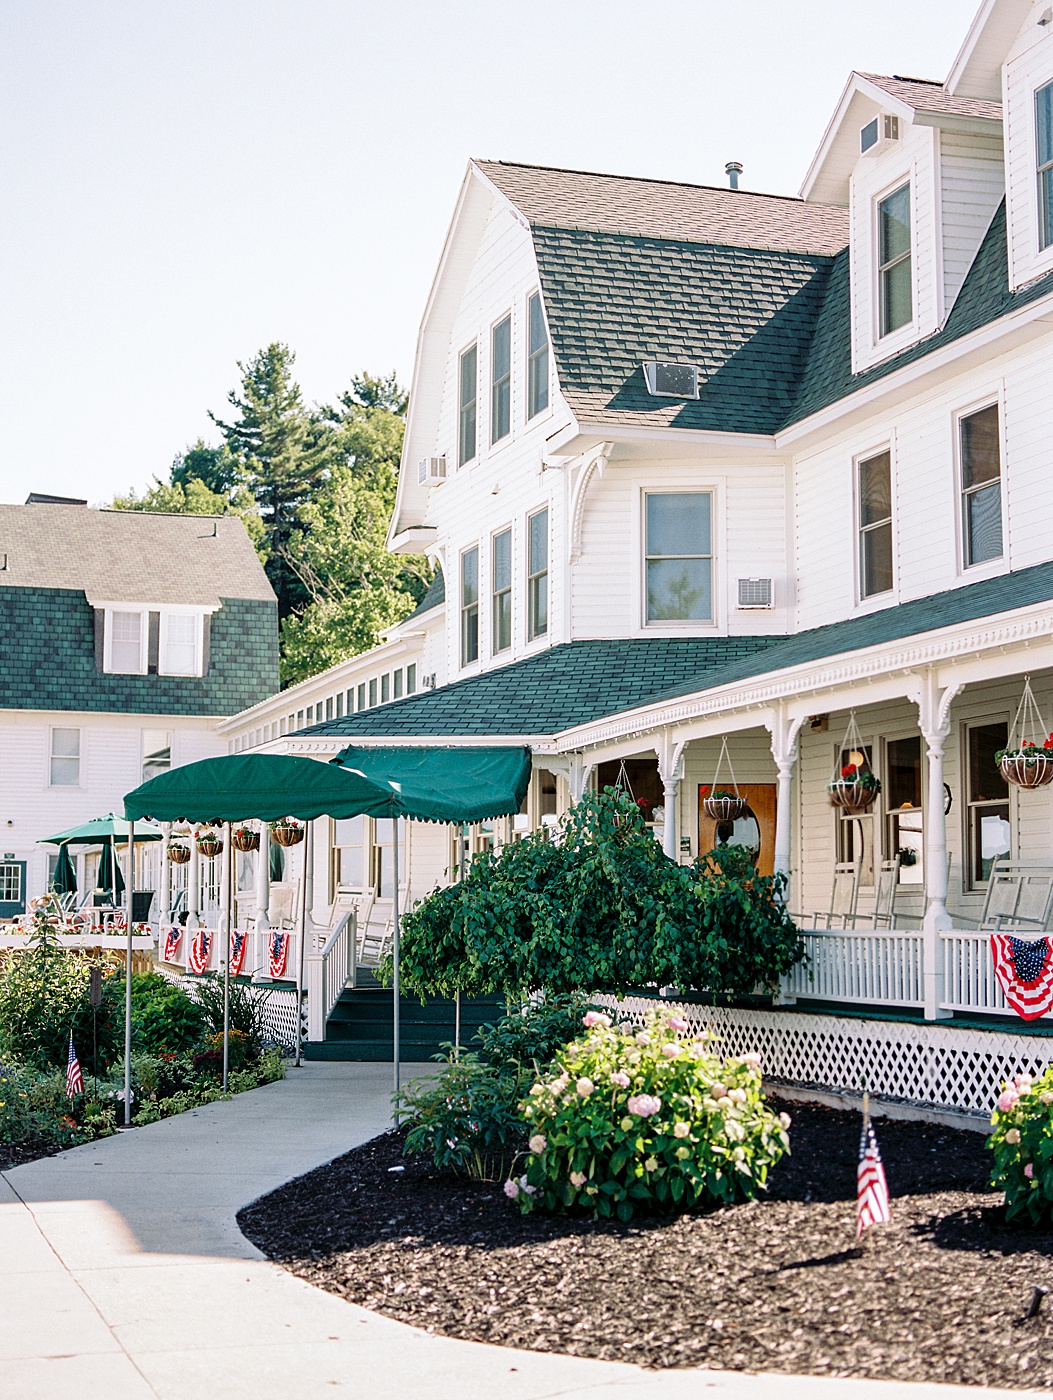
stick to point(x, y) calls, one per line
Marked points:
point(652, 180)
point(715, 244)
point(902, 78)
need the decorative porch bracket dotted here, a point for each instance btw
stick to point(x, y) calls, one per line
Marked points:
point(578, 775)
point(670, 753)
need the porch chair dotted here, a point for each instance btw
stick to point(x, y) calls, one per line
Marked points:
point(883, 915)
point(844, 896)
point(1018, 897)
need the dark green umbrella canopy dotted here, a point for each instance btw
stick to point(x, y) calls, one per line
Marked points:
point(64, 880)
point(436, 785)
point(99, 830)
point(109, 879)
point(276, 862)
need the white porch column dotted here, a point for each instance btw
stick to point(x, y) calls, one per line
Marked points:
point(578, 776)
point(671, 770)
point(784, 731)
point(263, 899)
point(934, 717)
point(193, 885)
point(164, 894)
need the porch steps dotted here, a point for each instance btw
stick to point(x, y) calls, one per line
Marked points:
point(360, 1027)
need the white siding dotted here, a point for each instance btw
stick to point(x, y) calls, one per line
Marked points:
point(1029, 67)
point(972, 183)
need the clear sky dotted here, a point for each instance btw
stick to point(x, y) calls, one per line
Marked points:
point(184, 181)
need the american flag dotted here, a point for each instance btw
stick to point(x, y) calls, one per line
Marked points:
point(1024, 968)
point(74, 1077)
point(872, 1189)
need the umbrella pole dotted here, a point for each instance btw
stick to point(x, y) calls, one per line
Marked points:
point(396, 1028)
point(129, 889)
point(224, 933)
point(308, 838)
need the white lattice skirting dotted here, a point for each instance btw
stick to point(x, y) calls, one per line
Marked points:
point(279, 1012)
point(930, 1064)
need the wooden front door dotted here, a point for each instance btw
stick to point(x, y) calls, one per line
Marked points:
point(756, 829)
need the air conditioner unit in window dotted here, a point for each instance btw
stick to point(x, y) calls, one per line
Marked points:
point(428, 682)
point(431, 471)
point(755, 593)
point(666, 380)
point(878, 134)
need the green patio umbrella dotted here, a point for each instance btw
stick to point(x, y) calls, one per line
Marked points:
point(109, 879)
point(101, 829)
point(64, 880)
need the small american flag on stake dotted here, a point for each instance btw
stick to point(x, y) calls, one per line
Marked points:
point(872, 1189)
point(74, 1077)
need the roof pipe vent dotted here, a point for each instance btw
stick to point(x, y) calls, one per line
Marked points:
point(733, 170)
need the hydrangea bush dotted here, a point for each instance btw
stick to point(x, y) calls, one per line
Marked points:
point(1022, 1143)
point(646, 1119)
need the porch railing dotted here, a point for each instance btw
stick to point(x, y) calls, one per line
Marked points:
point(328, 973)
point(937, 974)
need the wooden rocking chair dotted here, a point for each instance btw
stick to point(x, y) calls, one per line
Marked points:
point(883, 915)
point(844, 896)
point(1019, 897)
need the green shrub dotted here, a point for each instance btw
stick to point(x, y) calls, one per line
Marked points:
point(44, 996)
point(469, 1119)
point(534, 1035)
point(646, 1120)
point(1022, 1143)
point(164, 1017)
point(247, 1010)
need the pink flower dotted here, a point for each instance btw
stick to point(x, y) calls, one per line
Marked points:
point(643, 1105)
point(1007, 1100)
point(537, 1144)
point(671, 1050)
point(677, 1023)
point(751, 1057)
point(1023, 1081)
point(595, 1018)
point(584, 1086)
point(511, 1190)
point(784, 1121)
point(577, 1180)
point(620, 1079)
point(1029, 1171)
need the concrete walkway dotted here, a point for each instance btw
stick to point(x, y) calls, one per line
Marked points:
point(123, 1275)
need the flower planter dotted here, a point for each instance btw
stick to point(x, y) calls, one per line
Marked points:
point(1031, 771)
point(179, 855)
point(245, 840)
point(725, 809)
point(853, 796)
point(287, 835)
point(209, 845)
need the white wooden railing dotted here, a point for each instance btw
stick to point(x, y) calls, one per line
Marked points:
point(934, 973)
point(328, 972)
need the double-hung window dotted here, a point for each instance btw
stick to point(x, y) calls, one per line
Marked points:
point(981, 459)
point(537, 357)
point(875, 525)
point(179, 633)
point(65, 758)
point(469, 606)
point(1044, 152)
point(126, 643)
point(895, 277)
point(467, 392)
point(678, 556)
point(537, 575)
point(501, 380)
point(989, 834)
point(501, 575)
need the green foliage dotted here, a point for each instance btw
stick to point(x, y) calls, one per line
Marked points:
point(203, 481)
point(534, 1035)
point(44, 996)
point(34, 1109)
point(164, 1017)
point(601, 908)
point(1022, 1143)
point(247, 1011)
point(646, 1120)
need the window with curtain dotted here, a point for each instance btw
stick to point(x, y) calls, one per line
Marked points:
point(501, 380)
point(678, 556)
point(502, 591)
point(875, 525)
point(981, 458)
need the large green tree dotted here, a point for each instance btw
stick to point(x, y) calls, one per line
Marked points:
point(202, 480)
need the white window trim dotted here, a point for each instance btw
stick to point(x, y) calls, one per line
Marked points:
point(468, 461)
point(1043, 256)
point(874, 602)
point(540, 640)
point(492, 446)
point(462, 664)
point(165, 610)
point(990, 568)
point(65, 787)
point(716, 553)
point(883, 347)
point(199, 642)
point(144, 639)
point(509, 650)
point(543, 413)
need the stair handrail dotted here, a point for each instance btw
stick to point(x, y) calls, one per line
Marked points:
point(339, 951)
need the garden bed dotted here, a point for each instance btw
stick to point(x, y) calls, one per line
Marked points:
point(776, 1285)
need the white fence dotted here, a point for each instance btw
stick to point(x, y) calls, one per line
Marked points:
point(934, 973)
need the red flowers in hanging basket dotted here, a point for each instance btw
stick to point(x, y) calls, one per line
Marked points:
point(856, 790)
point(208, 843)
point(243, 838)
point(287, 832)
point(723, 805)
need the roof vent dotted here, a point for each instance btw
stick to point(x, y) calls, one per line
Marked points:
point(878, 134)
point(755, 593)
point(669, 380)
point(733, 170)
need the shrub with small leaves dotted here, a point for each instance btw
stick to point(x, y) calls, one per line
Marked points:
point(646, 1119)
point(1022, 1143)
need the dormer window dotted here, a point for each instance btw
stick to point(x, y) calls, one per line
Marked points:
point(894, 261)
point(1044, 152)
point(151, 642)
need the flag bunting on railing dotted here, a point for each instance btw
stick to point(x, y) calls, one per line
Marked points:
point(1024, 968)
point(279, 953)
point(173, 938)
point(200, 952)
point(237, 952)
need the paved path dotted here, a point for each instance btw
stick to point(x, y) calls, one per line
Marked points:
point(123, 1275)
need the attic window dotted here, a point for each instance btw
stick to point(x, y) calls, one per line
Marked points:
point(666, 379)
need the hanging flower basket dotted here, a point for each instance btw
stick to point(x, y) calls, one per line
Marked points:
point(178, 852)
point(1029, 767)
point(722, 805)
point(856, 790)
point(209, 844)
point(243, 838)
point(287, 832)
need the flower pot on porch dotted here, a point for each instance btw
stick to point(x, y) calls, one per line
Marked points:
point(286, 834)
point(178, 854)
point(853, 795)
point(209, 844)
point(1027, 768)
point(245, 840)
point(725, 809)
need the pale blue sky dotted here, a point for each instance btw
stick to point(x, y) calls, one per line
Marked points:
point(186, 180)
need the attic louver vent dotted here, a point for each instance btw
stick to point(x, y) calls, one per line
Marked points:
point(755, 593)
point(666, 380)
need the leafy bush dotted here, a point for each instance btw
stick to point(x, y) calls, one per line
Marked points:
point(164, 1017)
point(44, 996)
point(646, 1120)
point(601, 908)
point(1022, 1143)
point(534, 1035)
point(247, 1009)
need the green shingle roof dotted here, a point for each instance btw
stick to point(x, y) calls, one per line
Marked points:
point(580, 682)
point(435, 595)
point(560, 687)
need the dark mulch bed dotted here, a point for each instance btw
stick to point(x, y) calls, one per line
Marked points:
point(776, 1285)
point(16, 1155)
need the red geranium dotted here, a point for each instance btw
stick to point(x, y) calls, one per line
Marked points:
point(849, 770)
